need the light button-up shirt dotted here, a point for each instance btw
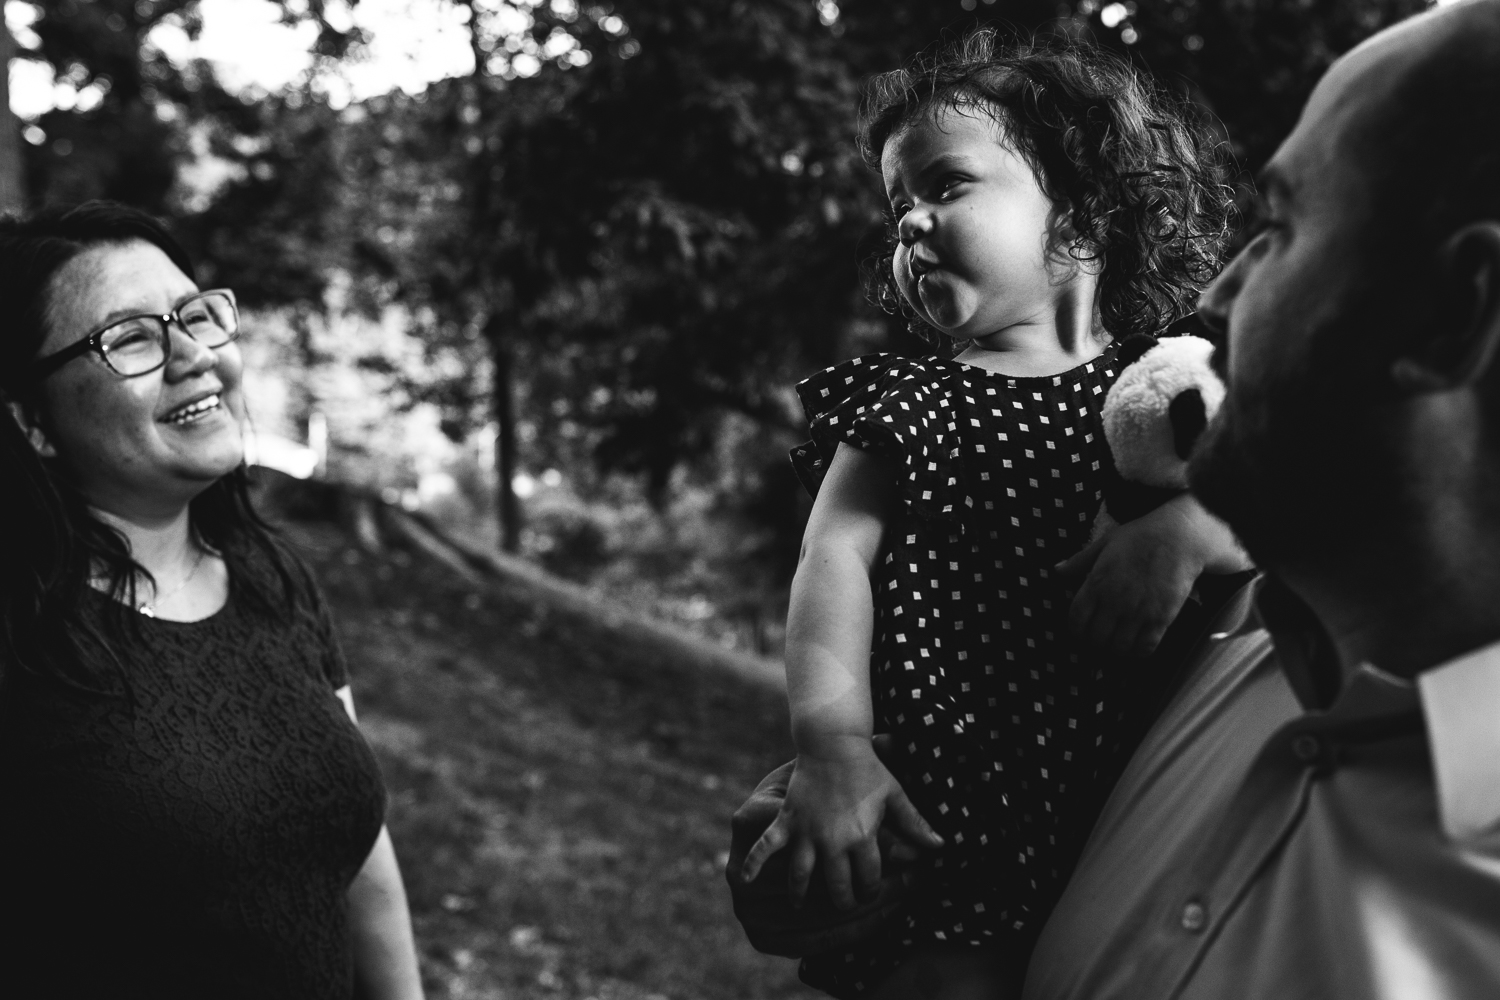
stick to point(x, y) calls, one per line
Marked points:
point(1461, 702)
point(1278, 836)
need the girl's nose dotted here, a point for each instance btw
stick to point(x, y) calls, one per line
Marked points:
point(189, 357)
point(916, 223)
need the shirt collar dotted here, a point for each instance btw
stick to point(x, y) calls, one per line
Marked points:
point(1307, 655)
point(1459, 702)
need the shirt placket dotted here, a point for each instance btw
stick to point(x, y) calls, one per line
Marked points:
point(1269, 808)
point(1260, 820)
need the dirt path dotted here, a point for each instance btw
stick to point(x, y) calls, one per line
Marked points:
point(560, 803)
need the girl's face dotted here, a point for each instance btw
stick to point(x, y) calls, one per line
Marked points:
point(973, 225)
point(143, 446)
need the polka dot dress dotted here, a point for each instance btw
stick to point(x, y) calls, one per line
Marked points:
point(1001, 725)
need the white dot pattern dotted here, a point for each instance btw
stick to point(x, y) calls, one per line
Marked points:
point(1001, 723)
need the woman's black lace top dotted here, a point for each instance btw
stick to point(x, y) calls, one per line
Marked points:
point(194, 836)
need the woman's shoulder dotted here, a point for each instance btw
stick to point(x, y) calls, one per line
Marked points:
point(273, 582)
point(279, 591)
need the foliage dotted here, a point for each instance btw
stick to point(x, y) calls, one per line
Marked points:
point(669, 233)
point(119, 141)
point(650, 210)
point(1252, 63)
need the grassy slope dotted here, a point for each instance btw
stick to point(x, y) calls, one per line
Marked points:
point(560, 804)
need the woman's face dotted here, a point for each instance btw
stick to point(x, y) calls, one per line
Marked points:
point(137, 447)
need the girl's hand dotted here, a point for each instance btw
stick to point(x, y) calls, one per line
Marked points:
point(834, 806)
point(1137, 577)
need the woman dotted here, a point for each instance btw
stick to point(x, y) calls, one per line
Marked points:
point(186, 806)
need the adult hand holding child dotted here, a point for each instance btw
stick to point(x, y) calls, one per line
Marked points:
point(838, 797)
point(779, 922)
point(1152, 540)
point(1134, 581)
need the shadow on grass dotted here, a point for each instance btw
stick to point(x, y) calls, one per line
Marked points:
point(559, 801)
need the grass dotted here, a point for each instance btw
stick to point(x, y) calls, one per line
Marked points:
point(559, 801)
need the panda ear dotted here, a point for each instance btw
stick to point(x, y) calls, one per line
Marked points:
point(1191, 325)
point(1132, 347)
point(1188, 417)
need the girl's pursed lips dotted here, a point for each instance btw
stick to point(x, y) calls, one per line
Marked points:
point(921, 265)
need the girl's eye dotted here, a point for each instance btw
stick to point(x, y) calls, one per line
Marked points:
point(899, 208)
point(948, 186)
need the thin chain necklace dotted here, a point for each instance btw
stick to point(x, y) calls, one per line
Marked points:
point(148, 608)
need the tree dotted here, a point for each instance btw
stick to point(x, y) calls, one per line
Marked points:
point(1251, 64)
point(642, 218)
point(664, 235)
point(12, 178)
point(119, 141)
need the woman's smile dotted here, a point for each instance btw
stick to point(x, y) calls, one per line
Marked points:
point(167, 433)
point(195, 410)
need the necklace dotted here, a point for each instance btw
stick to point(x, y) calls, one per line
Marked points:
point(148, 608)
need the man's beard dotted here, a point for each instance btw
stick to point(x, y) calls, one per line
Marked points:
point(1258, 477)
point(1302, 466)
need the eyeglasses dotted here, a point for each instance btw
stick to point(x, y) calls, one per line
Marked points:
point(138, 345)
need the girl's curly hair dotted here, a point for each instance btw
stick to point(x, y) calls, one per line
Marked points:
point(1139, 181)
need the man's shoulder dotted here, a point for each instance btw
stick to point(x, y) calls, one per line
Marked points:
point(1234, 695)
point(1176, 791)
point(1254, 848)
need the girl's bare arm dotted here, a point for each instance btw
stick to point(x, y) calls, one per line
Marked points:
point(839, 792)
point(832, 615)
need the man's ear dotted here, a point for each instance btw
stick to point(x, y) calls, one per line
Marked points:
point(1465, 352)
point(32, 430)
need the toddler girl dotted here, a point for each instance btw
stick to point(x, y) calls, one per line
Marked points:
point(1045, 201)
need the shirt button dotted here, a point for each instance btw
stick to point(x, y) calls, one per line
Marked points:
point(1194, 917)
point(1306, 748)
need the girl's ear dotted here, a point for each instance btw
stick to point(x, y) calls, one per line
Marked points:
point(32, 430)
point(1083, 252)
point(1464, 348)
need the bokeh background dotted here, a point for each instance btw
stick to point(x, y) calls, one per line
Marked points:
point(541, 274)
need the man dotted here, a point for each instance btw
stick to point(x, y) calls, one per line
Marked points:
point(1318, 812)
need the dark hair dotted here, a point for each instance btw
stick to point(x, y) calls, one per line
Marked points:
point(1137, 179)
point(51, 544)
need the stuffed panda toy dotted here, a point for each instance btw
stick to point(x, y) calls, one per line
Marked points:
point(1165, 395)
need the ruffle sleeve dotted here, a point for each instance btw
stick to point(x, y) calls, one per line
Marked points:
point(893, 407)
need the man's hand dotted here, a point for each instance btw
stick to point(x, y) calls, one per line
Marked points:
point(764, 907)
point(1136, 578)
point(835, 802)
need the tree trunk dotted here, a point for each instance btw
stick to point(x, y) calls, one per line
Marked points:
point(508, 509)
point(505, 440)
point(12, 175)
point(306, 395)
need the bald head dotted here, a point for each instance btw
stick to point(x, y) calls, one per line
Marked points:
point(1422, 118)
point(1369, 297)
